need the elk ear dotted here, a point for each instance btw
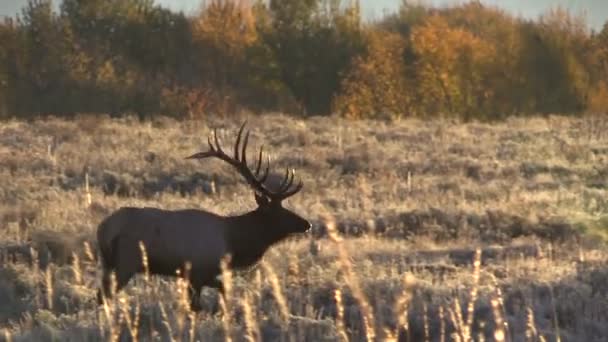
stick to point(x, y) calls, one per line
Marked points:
point(262, 201)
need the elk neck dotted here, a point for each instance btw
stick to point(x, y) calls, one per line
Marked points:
point(249, 236)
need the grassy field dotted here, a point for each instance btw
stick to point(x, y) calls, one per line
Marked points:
point(437, 230)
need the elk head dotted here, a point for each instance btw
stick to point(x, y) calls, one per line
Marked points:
point(270, 211)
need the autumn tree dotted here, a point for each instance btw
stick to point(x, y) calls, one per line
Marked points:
point(503, 84)
point(553, 62)
point(313, 44)
point(40, 72)
point(8, 67)
point(376, 84)
point(125, 52)
point(298, 56)
point(224, 31)
point(450, 68)
point(597, 100)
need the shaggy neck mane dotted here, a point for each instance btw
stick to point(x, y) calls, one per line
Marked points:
point(249, 236)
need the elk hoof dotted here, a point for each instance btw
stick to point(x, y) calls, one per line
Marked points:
point(100, 299)
point(196, 306)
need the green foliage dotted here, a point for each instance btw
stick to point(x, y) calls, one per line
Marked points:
point(310, 57)
point(8, 53)
point(313, 45)
point(556, 78)
point(125, 53)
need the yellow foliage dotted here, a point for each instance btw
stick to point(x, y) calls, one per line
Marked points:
point(450, 66)
point(227, 25)
point(375, 84)
point(598, 98)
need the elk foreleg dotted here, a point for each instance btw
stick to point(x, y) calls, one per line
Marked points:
point(219, 286)
point(106, 290)
point(195, 297)
point(128, 262)
point(195, 293)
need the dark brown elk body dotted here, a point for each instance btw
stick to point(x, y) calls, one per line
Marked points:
point(174, 238)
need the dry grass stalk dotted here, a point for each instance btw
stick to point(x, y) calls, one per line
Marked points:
point(409, 181)
point(425, 317)
point(353, 283)
point(531, 332)
point(50, 152)
point(144, 260)
point(252, 330)
point(109, 309)
point(132, 323)
point(499, 333)
point(554, 310)
point(276, 291)
point(48, 285)
point(498, 309)
point(293, 270)
point(76, 269)
point(192, 320)
point(340, 315)
point(257, 286)
point(88, 252)
point(402, 305)
point(165, 322)
point(441, 324)
point(456, 336)
point(36, 272)
point(459, 323)
point(480, 335)
point(87, 191)
point(225, 301)
point(181, 287)
point(468, 328)
point(225, 319)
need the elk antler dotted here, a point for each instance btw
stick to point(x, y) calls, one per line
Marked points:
point(240, 163)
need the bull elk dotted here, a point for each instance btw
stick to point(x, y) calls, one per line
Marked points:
point(199, 238)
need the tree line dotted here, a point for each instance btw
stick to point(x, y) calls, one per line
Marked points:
point(307, 57)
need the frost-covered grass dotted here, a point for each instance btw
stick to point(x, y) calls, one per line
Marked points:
point(399, 209)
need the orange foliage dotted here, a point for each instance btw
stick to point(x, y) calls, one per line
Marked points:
point(375, 85)
point(450, 67)
point(598, 98)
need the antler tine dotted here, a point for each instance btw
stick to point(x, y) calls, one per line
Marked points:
point(266, 170)
point(285, 179)
point(259, 163)
point(244, 150)
point(210, 144)
point(238, 141)
point(291, 177)
point(254, 179)
point(218, 147)
point(293, 191)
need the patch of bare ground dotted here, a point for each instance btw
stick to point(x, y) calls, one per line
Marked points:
point(423, 230)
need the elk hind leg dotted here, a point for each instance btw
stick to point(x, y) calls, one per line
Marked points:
point(195, 297)
point(106, 290)
point(219, 286)
point(107, 261)
point(195, 294)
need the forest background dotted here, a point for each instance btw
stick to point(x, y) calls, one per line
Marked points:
point(304, 57)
